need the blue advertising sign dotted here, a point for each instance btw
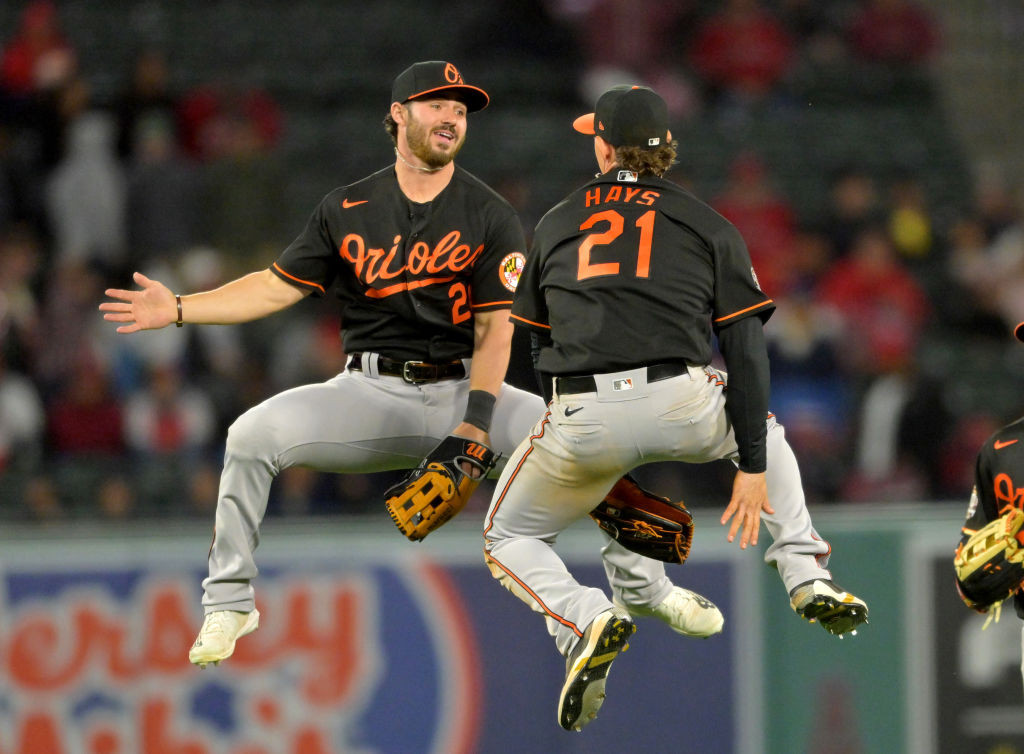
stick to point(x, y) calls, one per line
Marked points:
point(399, 652)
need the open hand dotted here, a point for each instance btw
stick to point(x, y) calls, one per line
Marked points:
point(749, 499)
point(151, 308)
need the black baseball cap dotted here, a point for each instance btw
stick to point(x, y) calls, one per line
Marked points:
point(628, 116)
point(436, 78)
point(1018, 332)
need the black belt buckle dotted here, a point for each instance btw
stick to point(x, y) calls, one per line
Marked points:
point(408, 376)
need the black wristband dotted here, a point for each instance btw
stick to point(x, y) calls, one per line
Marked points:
point(479, 409)
point(179, 323)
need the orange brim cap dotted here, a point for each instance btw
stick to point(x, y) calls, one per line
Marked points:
point(585, 124)
point(627, 116)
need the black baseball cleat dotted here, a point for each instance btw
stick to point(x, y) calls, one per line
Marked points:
point(588, 664)
point(827, 603)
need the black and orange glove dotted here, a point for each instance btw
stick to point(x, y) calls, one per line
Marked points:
point(645, 523)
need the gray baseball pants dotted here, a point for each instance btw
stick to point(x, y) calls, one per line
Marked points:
point(568, 462)
point(362, 422)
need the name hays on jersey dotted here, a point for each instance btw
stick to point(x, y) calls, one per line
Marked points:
point(616, 193)
point(424, 265)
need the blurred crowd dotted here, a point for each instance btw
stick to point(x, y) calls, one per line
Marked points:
point(187, 187)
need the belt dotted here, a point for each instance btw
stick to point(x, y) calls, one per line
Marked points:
point(587, 384)
point(412, 371)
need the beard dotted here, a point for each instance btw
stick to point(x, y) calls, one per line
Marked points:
point(417, 137)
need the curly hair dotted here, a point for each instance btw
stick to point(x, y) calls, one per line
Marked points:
point(653, 161)
point(391, 127)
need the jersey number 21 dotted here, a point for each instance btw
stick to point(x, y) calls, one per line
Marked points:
point(616, 224)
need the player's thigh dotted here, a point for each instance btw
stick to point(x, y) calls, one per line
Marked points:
point(516, 414)
point(543, 490)
point(349, 424)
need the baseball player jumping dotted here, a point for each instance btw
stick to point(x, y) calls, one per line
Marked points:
point(424, 258)
point(627, 278)
point(989, 559)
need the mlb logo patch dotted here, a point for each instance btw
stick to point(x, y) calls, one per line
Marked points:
point(626, 176)
point(625, 384)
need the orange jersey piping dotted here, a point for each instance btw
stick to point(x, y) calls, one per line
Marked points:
point(298, 280)
point(529, 322)
point(744, 311)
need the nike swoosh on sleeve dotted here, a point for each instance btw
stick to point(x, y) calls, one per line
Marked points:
point(1000, 444)
point(347, 204)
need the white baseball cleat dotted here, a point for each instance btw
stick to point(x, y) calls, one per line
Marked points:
point(825, 602)
point(686, 613)
point(221, 629)
point(588, 664)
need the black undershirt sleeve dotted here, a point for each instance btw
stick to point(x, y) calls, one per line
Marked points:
point(537, 342)
point(746, 397)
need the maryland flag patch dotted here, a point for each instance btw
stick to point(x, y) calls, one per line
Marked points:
point(511, 268)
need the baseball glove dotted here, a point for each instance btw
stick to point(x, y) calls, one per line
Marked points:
point(990, 564)
point(437, 489)
point(646, 523)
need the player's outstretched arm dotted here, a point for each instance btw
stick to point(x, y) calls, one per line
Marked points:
point(749, 499)
point(253, 296)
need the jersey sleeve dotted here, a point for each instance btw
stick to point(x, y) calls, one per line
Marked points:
point(496, 275)
point(737, 293)
point(746, 400)
point(307, 263)
point(983, 507)
point(995, 488)
point(529, 309)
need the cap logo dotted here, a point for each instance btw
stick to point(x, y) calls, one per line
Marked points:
point(452, 75)
point(600, 126)
point(654, 142)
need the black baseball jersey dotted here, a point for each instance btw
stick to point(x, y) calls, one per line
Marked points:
point(628, 271)
point(409, 276)
point(998, 484)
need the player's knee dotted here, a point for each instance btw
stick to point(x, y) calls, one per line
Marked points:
point(498, 572)
point(254, 434)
